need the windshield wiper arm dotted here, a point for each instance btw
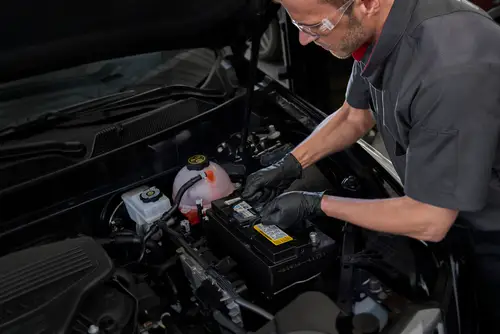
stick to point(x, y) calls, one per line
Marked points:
point(46, 118)
point(124, 111)
point(156, 97)
point(136, 101)
point(166, 92)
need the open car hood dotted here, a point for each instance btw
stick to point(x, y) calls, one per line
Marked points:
point(45, 36)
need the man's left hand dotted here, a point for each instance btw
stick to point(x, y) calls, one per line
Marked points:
point(291, 208)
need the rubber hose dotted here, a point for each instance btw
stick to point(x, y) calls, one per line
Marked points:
point(185, 187)
point(125, 240)
point(125, 277)
point(254, 308)
point(167, 215)
point(167, 265)
point(227, 323)
point(151, 231)
point(182, 190)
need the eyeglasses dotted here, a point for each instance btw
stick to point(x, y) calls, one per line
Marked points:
point(325, 26)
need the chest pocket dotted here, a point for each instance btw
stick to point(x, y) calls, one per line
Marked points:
point(385, 108)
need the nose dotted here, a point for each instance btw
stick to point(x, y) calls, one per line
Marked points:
point(304, 38)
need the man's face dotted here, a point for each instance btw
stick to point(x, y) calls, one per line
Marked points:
point(349, 32)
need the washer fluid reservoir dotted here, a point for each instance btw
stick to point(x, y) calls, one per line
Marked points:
point(216, 186)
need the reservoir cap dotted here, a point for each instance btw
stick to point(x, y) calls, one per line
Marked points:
point(150, 195)
point(198, 162)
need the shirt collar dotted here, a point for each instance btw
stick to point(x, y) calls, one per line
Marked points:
point(394, 28)
point(360, 53)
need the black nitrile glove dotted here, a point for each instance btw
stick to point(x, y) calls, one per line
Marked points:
point(291, 208)
point(277, 176)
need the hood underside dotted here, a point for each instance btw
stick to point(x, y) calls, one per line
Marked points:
point(44, 36)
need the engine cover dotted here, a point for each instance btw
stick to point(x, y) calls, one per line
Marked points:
point(42, 287)
point(270, 259)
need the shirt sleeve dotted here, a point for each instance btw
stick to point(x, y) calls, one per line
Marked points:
point(453, 141)
point(358, 90)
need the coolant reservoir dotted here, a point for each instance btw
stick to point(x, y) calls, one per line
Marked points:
point(207, 190)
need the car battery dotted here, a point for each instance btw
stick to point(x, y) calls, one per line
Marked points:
point(269, 258)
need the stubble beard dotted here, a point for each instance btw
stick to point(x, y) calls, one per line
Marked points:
point(353, 40)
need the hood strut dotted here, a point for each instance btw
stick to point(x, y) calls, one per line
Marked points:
point(257, 33)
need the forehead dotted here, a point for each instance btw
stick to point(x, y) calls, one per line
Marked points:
point(307, 11)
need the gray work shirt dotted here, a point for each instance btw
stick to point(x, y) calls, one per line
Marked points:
point(433, 82)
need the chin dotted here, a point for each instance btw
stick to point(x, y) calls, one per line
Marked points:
point(340, 55)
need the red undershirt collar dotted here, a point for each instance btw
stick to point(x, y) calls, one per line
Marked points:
point(359, 53)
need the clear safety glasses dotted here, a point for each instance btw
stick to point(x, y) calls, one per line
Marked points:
point(325, 26)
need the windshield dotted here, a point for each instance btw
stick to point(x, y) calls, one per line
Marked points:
point(54, 121)
point(33, 96)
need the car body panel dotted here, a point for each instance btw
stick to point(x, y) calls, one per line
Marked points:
point(46, 36)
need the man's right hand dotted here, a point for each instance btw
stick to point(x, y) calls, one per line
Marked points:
point(277, 176)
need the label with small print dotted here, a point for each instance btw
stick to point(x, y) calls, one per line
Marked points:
point(273, 233)
point(243, 211)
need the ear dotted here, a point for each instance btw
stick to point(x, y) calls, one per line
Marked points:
point(369, 7)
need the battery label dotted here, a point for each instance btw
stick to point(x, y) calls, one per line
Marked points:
point(244, 210)
point(273, 233)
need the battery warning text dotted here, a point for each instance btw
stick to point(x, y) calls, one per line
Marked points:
point(273, 233)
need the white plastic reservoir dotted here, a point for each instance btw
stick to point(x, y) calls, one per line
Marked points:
point(216, 186)
point(145, 205)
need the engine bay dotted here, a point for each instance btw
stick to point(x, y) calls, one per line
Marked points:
point(175, 248)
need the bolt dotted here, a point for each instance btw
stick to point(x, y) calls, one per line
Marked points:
point(313, 236)
point(93, 329)
point(273, 134)
point(375, 286)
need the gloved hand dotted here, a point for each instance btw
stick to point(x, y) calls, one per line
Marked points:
point(291, 208)
point(277, 176)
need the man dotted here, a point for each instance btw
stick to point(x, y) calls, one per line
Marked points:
point(430, 71)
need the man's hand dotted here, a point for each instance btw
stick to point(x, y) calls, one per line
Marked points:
point(277, 176)
point(402, 215)
point(291, 208)
point(336, 132)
